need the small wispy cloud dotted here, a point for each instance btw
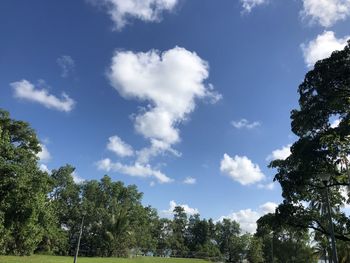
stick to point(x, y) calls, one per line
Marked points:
point(121, 11)
point(268, 186)
point(190, 180)
point(136, 169)
point(279, 154)
point(248, 5)
point(244, 123)
point(67, 65)
point(25, 90)
point(119, 147)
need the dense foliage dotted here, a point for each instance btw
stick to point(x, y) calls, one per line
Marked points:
point(41, 212)
point(67, 259)
point(24, 205)
point(322, 124)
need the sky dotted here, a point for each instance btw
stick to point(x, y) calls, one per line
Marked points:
point(187, 99)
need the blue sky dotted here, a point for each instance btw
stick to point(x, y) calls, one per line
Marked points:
point(187, 99)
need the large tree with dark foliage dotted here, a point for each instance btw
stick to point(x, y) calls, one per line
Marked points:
point(322, 124)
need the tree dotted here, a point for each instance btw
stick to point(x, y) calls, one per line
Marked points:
point(228, 239)
point(178, 232)
point(197, 232)
point(163, 234)
point(113, 216)
point(66, 201)
point(199, 238)
point(284, 243)
point(322, 124)
point(255, 250)
point(24, 203)
point(147, 229)
point(238, 248)
point(343, 249)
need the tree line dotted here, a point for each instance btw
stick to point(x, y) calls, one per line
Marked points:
point(41, 212)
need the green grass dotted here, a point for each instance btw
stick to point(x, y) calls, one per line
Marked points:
point(55, 259)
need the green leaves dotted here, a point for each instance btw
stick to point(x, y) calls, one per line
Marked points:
point(322, 124)
point(23, 187)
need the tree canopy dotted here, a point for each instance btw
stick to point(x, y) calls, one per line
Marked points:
point(23, 188)
point(322, 124)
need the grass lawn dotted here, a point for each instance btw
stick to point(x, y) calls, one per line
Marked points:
point(55, 259)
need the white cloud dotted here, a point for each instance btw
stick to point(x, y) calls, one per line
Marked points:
point(44, 168)
point(326, 12)
point(77, 179)
point(137, 169)
point(170, 81)
point(190, 180)
point(188, 210)
point(247, 218)
point(25, 90)
point(141, 166)
point(248, 5)
point(44, 155)
point(121, 11)
point(243, 123)
point(157, 147)
point(279, 154)
point(241, 169)
point(67, 65)
point(335, 123)
point(322, 47)
point(268, 207)
point(157, 124)
point(119, 147)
